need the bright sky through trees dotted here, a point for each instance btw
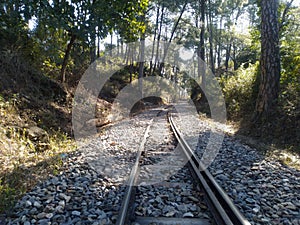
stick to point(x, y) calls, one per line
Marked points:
point(241, 26)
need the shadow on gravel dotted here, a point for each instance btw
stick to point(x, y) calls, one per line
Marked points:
point(22, 179)
point(264, 189)
point(279, 131)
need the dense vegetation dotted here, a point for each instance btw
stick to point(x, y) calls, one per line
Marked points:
point(47, 46)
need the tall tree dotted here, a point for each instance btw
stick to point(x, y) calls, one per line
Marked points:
point(84, 20)
point(201, 46)
point(154, 38)
point(171, 37)
point(210, 38)
point(270, 59)
point(158, 38)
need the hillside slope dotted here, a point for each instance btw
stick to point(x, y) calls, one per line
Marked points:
point(35, 127)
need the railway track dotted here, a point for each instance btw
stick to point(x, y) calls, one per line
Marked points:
point(90, 187)
point(221, 209)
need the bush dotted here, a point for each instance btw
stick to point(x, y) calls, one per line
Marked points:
point(240, 90)
point(289, 98)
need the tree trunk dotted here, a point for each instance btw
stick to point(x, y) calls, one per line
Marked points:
point(93, 47)
point(155, 33)
point(201, 47)
point(66, 58)
point(127, 55)
point(130, 50)
point(141, 60)
point(202, 30)
point(269, 61)
point(98, 46)
point(284, 14)
point(234, 59)
point(228, 52)
point(122, 47)
point(219, 59)
point(111, 43)
point(141, 63)
point(118, 46)
point(92, 53)
point(211, 51)
point(171, 38)
point(158, 40)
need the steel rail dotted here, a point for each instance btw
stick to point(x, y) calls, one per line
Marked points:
point(222, 208)
point(124, 213)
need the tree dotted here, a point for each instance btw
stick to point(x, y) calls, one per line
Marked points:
point(14, 16)
point(201, 46)
point(83, 21)
point(171, 38)
point(269, 61)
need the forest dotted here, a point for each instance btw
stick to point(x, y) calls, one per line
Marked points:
point(251, 46)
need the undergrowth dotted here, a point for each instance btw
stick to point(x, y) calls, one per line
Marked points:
point(22, 166)
point(240, 91)
point(281, 129)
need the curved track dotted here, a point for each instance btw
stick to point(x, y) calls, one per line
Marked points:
point(221, 207)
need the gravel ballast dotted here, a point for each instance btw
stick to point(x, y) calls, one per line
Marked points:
point(90, 186)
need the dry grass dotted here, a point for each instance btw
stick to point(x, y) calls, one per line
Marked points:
point(21, 165)
point(29, 99)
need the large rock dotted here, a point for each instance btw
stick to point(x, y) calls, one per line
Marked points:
point(39, 137)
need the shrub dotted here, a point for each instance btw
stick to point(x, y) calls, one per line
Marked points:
point(240, 90)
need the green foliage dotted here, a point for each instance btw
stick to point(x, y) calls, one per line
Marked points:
point(7, 196)
point(21, 166)
point(239, 90)
point(247, 55)
point(290, 63)
point(130, 23)
point(57, 21)
point(11, 24)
